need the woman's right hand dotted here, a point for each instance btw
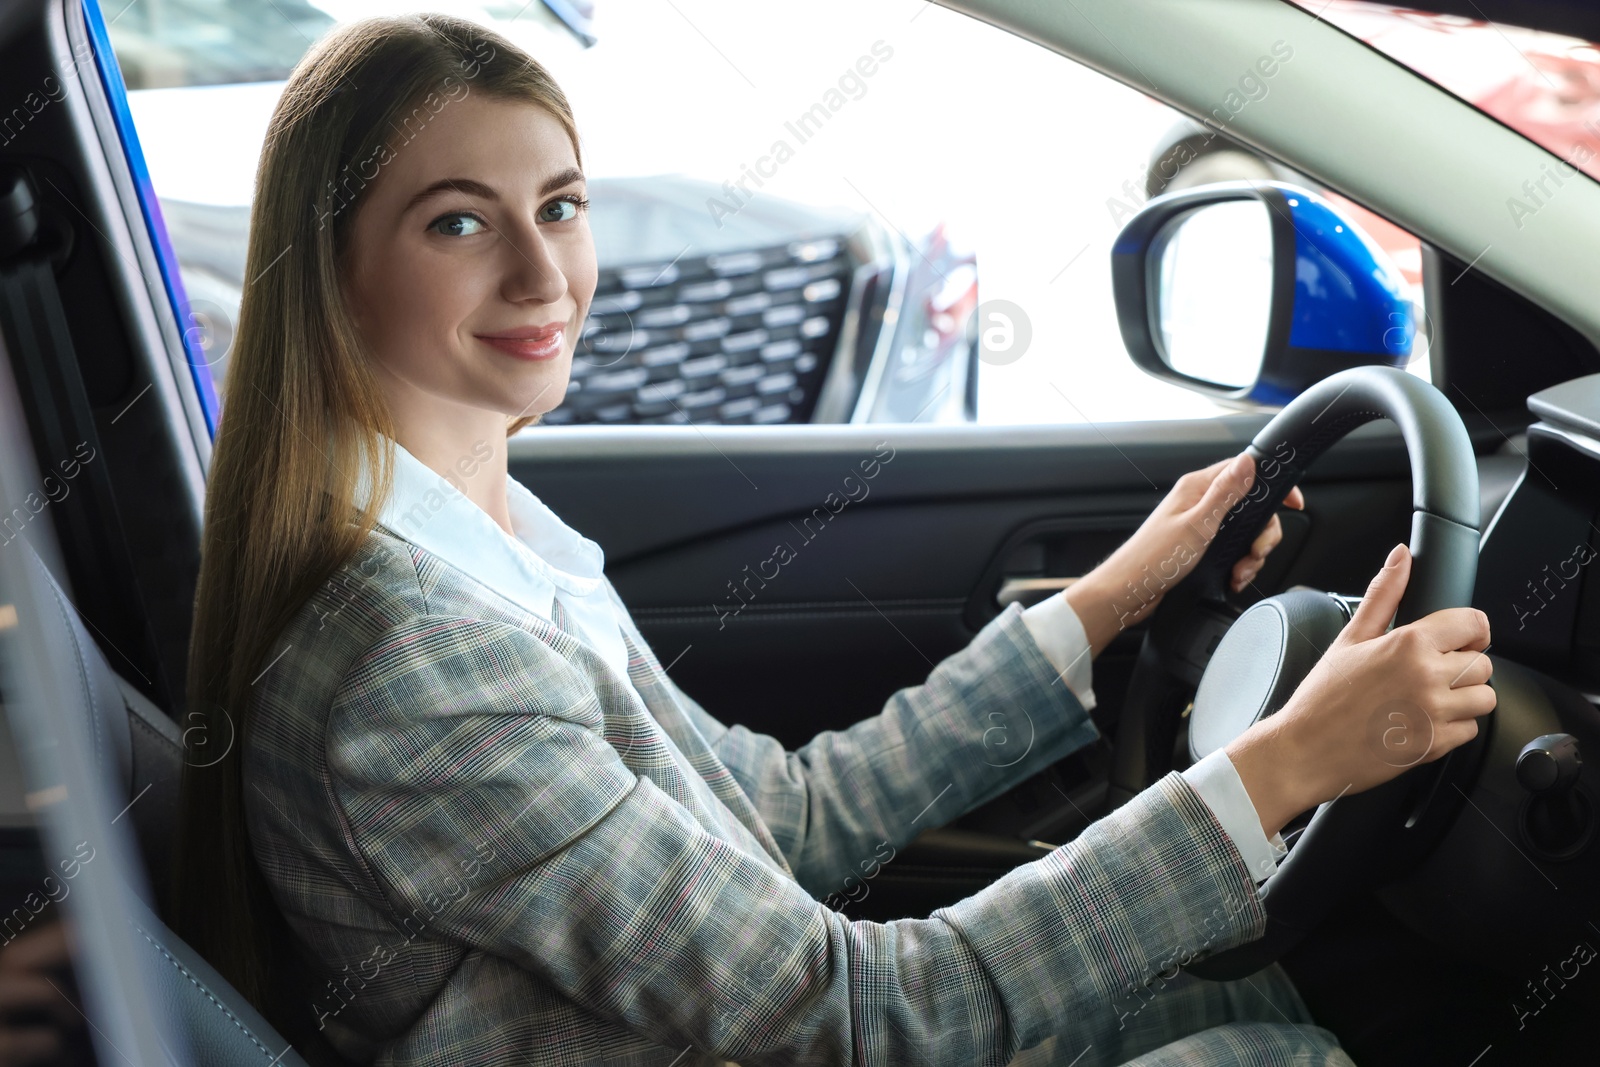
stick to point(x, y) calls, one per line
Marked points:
point(1375, 705)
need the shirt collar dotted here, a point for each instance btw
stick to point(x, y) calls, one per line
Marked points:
point(546, 554)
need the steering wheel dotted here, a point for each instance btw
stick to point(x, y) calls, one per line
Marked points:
point(1239, 667)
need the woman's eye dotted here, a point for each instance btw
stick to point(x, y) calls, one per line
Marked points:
point(458, 224)
point(562, 210)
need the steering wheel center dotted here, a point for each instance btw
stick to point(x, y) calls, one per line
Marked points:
point(1259, 663)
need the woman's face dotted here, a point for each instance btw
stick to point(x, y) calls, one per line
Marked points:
point(470, 266)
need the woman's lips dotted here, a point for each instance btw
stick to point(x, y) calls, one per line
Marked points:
point(546, 344)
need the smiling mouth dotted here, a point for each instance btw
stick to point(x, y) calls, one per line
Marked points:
point(541, 344)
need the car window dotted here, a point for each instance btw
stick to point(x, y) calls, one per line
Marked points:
point(882, 220)
point(1545, 86)
point(211, 42)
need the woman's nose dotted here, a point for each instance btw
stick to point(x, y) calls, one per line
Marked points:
point(532, 271)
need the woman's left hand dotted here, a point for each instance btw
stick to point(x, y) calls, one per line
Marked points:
point(1126, 587)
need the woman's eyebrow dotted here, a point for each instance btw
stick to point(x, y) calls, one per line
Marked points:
point(473, 187)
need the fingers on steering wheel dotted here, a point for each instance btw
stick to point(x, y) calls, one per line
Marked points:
point(1465, 668)
point(1267, 539)
point(1245, 570)
point(1463, 701)
point(1206, 492)
point(1208, 474)
point(1295, 499)
point(1456, 628)
point(1190, 487)
point(1448, 736)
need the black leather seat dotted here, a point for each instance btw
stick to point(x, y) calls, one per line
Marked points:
point(143, 748)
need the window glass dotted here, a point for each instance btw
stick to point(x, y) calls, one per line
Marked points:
point(795, 233)
point(211, 42)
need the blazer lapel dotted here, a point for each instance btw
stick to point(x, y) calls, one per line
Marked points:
point(644, 674)
point(563, 621)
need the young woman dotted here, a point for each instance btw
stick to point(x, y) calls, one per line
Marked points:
point(472, 805)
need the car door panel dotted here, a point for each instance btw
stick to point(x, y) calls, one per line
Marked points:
point(818, 637)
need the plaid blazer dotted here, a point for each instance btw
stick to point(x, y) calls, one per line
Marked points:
point(493, 849)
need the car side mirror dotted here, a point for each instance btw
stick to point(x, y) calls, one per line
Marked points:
point(1255, 291)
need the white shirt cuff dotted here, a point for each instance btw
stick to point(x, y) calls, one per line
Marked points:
point(1058, 632)
point(1217, 781)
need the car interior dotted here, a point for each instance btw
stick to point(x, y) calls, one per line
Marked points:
point(1453, 923)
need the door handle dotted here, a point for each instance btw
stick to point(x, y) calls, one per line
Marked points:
point(1029, 591)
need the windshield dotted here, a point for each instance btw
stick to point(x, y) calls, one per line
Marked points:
point(1546, 86)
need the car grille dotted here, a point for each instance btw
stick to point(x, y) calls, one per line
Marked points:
point(733, 337)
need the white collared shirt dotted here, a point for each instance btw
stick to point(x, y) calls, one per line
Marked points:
point(547, 560)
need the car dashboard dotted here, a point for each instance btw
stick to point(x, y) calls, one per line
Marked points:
point(1512, 881)
point(1534, 577)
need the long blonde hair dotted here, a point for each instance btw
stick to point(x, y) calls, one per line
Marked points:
point(300, 402)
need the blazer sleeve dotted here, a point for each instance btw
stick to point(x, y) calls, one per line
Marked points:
point(988, 717)
point(454, 734)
